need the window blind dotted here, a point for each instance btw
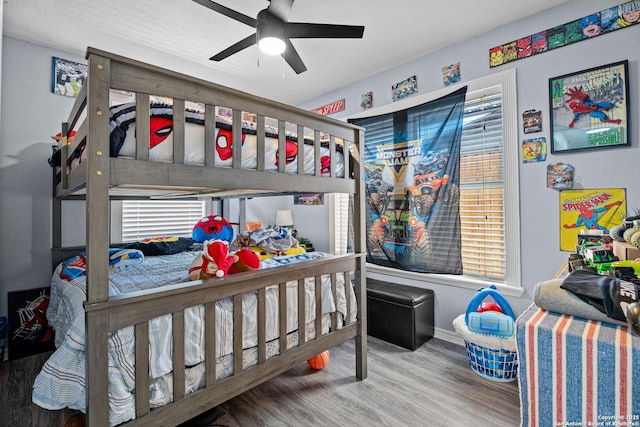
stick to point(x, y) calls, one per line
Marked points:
point(341, 218)
point(155, 218)
point(482, 189)
point(379, 130)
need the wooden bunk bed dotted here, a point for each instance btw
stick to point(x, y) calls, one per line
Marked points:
point(100, 177)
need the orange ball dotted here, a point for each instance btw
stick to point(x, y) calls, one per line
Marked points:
point(319, 361)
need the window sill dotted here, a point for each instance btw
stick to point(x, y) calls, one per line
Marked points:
point(466, 282)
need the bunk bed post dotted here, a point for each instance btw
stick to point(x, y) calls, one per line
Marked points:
point(97, 206)
point(360, 247)
point(64, 144)
point(56, 214)
point(260, 142)
point(242, 215)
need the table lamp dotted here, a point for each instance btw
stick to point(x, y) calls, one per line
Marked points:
point(284, 218)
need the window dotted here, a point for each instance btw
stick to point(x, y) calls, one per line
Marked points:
point(482, 189)
point(341, 224)
point(139, 219)
point(489, 183)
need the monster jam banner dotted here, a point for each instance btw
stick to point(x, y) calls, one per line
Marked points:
point(412, 162)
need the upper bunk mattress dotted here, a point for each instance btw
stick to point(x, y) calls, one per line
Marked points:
point(123, 141)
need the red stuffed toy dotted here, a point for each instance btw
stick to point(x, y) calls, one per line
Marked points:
point(247, 261)
point(214, 261)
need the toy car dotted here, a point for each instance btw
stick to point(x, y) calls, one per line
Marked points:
point(599, 257)
point(628, 267)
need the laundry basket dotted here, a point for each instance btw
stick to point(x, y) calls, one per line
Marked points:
point(489, 336)
point(4, 329)
point(495, 364)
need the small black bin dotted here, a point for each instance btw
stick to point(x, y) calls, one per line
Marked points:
point(399, 314)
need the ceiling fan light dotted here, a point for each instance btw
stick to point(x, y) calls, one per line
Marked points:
point(271, 45)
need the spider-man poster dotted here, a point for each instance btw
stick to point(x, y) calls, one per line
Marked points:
point(29, 331)
point(590, 109)
point(589, 211)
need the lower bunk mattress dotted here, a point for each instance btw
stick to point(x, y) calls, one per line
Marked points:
point(576, 372)
point(61, 382)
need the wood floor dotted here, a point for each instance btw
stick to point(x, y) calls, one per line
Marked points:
point(432, 386)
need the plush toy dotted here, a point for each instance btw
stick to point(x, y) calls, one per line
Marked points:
point(247, 261)
point(212, 227)
point(214, 261)
point(216, 234)
point(58, 136)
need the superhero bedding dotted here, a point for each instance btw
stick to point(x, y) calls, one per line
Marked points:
point(61, 382)
point(577, 361)
point(122, 128)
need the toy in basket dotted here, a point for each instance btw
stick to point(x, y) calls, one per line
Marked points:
point(488, 331)
point(490, 317)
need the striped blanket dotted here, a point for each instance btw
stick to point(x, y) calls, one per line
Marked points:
point(577, 372)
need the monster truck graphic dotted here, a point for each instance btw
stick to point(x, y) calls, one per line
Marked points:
point(424, 191)
point(433, 161)
point(399, 230)
point(378, 193)
point(377, 190)
point(428, 179)
point(422, 194)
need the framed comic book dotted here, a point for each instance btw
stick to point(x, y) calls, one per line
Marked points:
point(590, 108)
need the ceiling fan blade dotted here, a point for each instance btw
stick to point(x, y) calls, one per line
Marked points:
point(300, 30)
point(293, 59)
point(252, 22)
point(235, 48)
point(281, 8)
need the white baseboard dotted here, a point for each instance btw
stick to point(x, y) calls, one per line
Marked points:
point(449, 336)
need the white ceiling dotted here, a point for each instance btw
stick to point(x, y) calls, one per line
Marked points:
point(182, 35)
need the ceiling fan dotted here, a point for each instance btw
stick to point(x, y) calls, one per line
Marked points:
point(273, 31)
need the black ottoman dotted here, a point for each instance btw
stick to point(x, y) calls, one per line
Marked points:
point(399, 314)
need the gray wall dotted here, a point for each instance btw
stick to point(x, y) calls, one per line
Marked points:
point(611, 168)
point(30, 114)
point(311, 222)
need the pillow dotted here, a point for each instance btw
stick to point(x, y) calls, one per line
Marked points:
point(124, 257)
point(76, 266)
point(262, 254)
point(162, 245)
